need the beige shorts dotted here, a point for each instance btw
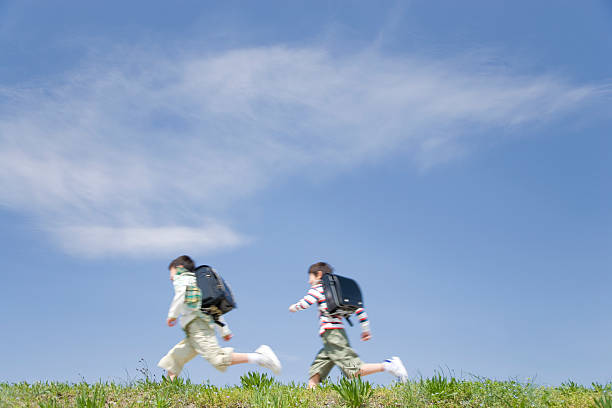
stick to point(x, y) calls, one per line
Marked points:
point(201, 339)
point(336, 351)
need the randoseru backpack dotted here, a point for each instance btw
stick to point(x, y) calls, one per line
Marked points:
point(342, 295)
point(217, 296)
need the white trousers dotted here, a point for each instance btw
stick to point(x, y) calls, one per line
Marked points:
point(201, 339)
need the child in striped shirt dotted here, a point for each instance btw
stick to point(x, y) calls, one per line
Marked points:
point(336, 348)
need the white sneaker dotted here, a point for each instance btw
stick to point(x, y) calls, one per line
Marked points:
point(397, 369)
point(269, 359)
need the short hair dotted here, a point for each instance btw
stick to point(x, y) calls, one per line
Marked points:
point(184, 261)
point(320, 266)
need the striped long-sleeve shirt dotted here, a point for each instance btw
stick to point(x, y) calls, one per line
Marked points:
point(327, 322)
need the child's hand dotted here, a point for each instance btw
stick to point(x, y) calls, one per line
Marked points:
point(293, 308)
point(227, 337)
point(365, 336)
point(171, 321)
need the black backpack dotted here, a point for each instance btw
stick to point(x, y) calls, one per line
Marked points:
point(217, 296)
point(342, 295)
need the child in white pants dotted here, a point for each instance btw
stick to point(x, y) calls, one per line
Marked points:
point(200, 335)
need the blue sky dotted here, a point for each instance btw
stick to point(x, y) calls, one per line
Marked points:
point(454, 159)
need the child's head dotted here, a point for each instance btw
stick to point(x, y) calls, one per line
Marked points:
point(317, 270)
point(184, 261)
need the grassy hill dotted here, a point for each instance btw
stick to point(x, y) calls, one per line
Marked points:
point(259, 390)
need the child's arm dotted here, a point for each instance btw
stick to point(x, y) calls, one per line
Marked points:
point(365, 324)
point(175, 305)
point(310, 299)
point(224, 331)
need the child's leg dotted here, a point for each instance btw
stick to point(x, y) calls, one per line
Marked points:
point(239, 358)
point(339, 350)
point(319, 369)
point(263, 356)
point(337, 347)
point(243, 358)
point(394, 366)
point(371, 368)
point(203, 339)
point(176, 358)
point(314, 381)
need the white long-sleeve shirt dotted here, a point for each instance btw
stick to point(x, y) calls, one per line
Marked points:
point(327, 321)
point(178, 308)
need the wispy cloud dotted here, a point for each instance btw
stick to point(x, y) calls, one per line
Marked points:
point(103, 240)
point(129, 156)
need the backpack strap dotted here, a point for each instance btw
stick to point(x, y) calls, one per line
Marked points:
point(348, 319)
point(215, 318)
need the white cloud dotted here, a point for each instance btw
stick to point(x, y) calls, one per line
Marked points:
point(165, 241)
point(127, 155)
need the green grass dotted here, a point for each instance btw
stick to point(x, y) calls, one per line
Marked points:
point(355, 392)
point(259, 390)
point(255, 380)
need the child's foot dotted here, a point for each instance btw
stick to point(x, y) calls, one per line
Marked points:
point(269, 359)
point(395, 367)
point(169, 378)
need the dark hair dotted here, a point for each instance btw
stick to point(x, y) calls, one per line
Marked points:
point(184, 261)
point(320, 266)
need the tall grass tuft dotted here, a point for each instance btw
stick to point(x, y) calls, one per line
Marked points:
point(97, 400)
point(604, 401)
point(52, 403)
point(161, 401)
point(355, 392)
point(276, 397)
point(597, 387)
point(570, 387)
point(255, 380)
point(439, 387)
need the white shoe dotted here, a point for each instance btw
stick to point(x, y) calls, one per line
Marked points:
point(269, 359)
point(396, 367)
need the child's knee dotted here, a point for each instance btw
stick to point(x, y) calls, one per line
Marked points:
point(170, 364)
point(220, 358)
point(351, 367)
point(320, 369)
